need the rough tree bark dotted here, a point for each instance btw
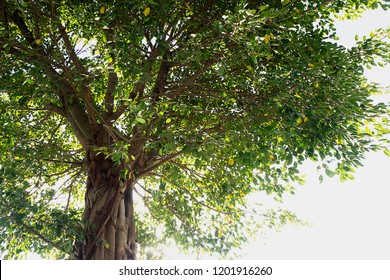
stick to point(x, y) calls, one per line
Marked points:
point(109, 211)
point(109, 231)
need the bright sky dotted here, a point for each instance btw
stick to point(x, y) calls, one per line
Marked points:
point(348, 220)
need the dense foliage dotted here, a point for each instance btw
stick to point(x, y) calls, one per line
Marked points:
point(197, 104)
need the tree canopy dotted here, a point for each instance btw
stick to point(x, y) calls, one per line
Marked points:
point(190, 105)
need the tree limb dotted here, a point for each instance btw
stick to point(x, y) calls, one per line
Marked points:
point(158, 164)
point(27, 34)
point(138, 88)
point(36, 233)
point(207, 64)
point(56, 109)
point(71, 52)
point(109, 97)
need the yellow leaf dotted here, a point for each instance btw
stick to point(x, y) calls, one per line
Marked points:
point(317, 85)
point(146, 11)
point(267, 38)
point(249, 68)
point(230, 161)
point(38, 41)
point(271, 157)
point(168, 120)
point(299, 121)
point(220, 233)
point(102, 10)
point(305, 119)
point(311, 65)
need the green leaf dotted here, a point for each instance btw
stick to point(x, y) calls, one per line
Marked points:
point(116, 157)
point(124, 174)
point(210, 103)
point(23, 100)
point(329, 173)
point(140, 120)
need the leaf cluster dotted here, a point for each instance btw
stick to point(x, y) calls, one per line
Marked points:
point(201, 102)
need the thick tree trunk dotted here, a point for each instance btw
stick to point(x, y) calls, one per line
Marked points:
point(109, 212)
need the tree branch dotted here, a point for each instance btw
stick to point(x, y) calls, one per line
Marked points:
point(93, 115)
point(161, 78)
point(4, 15)
point(56, 109)
point(109, 97)
point(138, 88)
point(71, 52)
point(158, 164)
point(36, 233)
point(27, 34)
point(194, 198)
point(207, 64)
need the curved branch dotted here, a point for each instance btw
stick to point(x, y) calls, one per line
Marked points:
point(147, 171)
point(56, 109)
point(193, 197)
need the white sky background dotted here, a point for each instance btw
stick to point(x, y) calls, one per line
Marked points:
point(349, 220)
